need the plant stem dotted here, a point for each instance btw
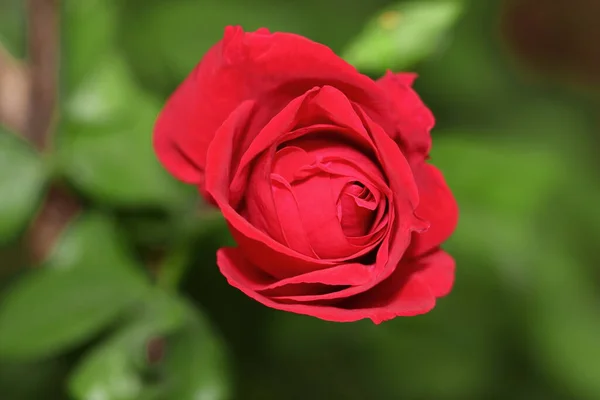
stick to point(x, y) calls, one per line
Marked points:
point(43, 49)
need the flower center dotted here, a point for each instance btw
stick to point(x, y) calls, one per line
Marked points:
point(320, 197)
point(356, 207)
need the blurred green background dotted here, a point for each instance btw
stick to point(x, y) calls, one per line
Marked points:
point(108, 283)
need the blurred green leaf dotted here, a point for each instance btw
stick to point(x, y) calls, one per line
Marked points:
point(408, 358)
point(176, 34)
point(88, 281)
point(178, 258)
point(89, 29)
point(22, 179)
point(12, 26)
point(164, 40)
point(469, 84)
point(32, 380)
point(502, 185)
point(518, 210)
point(108, 92)
point(108, 374)
point(493, 169)
point(193, 367)
point(402, 35)
point(114, 370)
point(564, 320)
point(105, 143)
point(196, 365)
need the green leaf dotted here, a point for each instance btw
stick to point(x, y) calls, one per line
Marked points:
point(22, 179)
point(114, 370)
point(89, 29)
point(492, 169)
point(194, 367)
point(501, 185)
point(173, 268)
point(196, 364)
point(564, 319)
point(108, 92)
point(88, 281)
point(445, 363)
point(12, 26)
point(107, 373)
point(402, 35)
point(165, 39)
point(105, 144)
point(563, 295)
point(34, 380)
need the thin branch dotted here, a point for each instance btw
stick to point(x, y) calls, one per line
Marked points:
point(43, 38)
point(60, 206)
point(14, 92)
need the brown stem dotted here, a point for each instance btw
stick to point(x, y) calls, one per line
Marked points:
point(14, 92)
point(60, 206)
point(43, 37)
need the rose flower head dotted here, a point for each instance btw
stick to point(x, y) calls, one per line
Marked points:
point(321, 174)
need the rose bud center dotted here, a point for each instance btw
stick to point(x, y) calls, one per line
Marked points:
point(326, 199)
point(356, 208)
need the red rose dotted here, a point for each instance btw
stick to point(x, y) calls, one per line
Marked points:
point(320, 173)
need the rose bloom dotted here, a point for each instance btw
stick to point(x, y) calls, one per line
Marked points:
point(320, 173)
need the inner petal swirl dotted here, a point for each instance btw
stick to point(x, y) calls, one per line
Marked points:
point(327, 198)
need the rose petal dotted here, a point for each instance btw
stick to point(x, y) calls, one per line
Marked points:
point(252, 277)
point(258, 246)
point(278, 260)
point(259, 207)
point(436, 205)
point(412, 296)
point(413, 120)
point(317, 205)
point(285, 205)
point(404, 188)
point(242, 66)
point(325, 105)
point(437, 270)
point(355, 213)
point(283, 262)
point(414, 285)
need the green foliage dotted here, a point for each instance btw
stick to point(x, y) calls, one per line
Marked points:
point(105, 144)
point(86, 284)
point(33, 380)
point(402, 35)
point(564, 302)
point(163, 40)
point(114, 369)
point(22, 178)
point(529, 169)
point(196, 365)
point(119, 369)
point(90, 28)
point(12, 35)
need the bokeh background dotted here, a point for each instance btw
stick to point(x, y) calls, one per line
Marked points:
point(108, 283)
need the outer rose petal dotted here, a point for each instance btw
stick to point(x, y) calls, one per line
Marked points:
point(403, 295)
point(437, 205)
point(272, 68)
point(437, 270)
point(413, 120)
